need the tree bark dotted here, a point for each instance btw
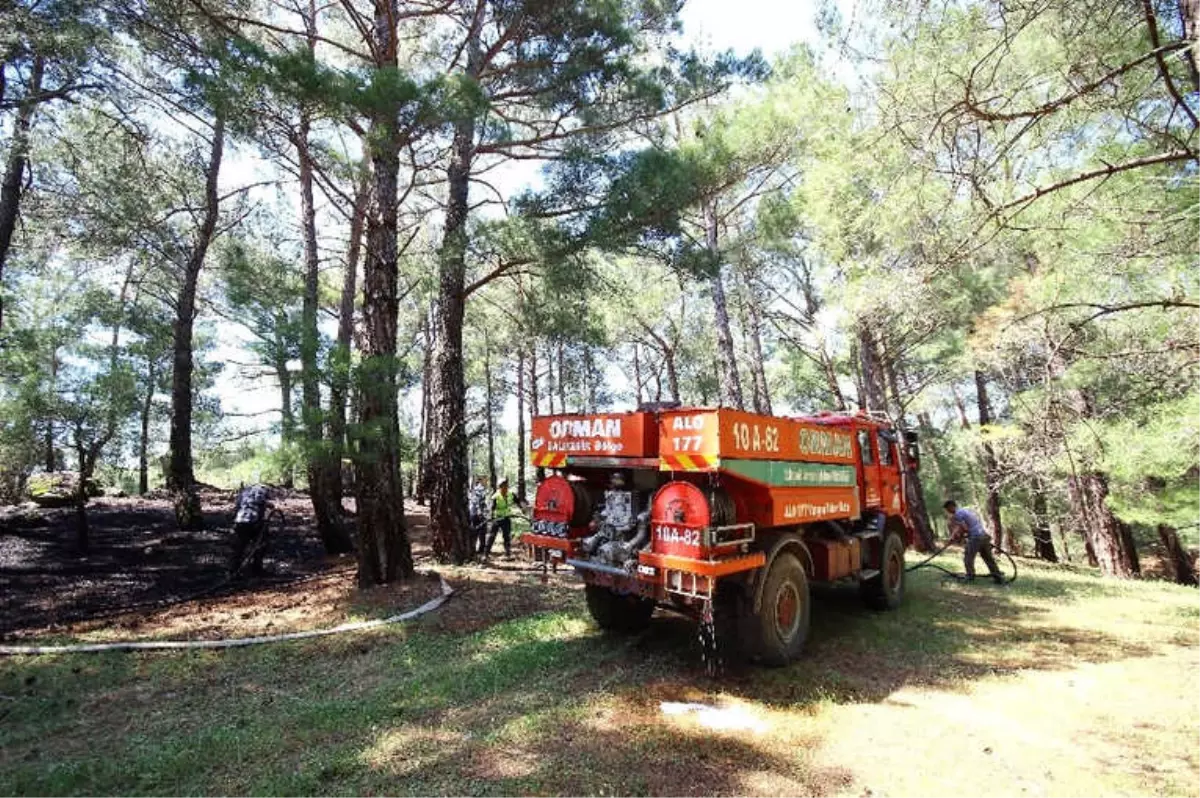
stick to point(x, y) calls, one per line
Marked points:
point(339, 383)
point(589, 380)
point(562, 379)
point(384, 553)
point(872, 370)
point(448, 439)
point(144, 439)
point(1109, 539)
point(181, 479)
point(1043, 542)
point(731, 383)
point(51, 457)
point(637, 375)
point(991, 471)
point(423, 481)
point(287, 423)
point(534, 403)
point(82, 532)
point(1189, 22)
point(758, 375)
point(1180, 564)
point(812, 306)
point(521, 424)
point(17, 163)
point(914, 491)
point(488, 413)
point(319, 465)
point(550, 386)
point(959, 405)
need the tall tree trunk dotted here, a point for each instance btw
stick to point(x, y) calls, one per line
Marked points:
point(1109, 539)
point(589, 378)
point(448, 438)
point(534, 403)
point(488, 413)
point(550, 387)
point(181, 479)
point(637, 374)
point(82, 532)
point(872, 370)
point(319, 465)
point(1189, 23)
point(914, 491)
point(51, 457)
point(287, 423)
point(959, 405)
point(144, 438)
point(1178, 561)
point(17, 163)
point(753, 326)
point(731, 383)
point(339, 382)
point(423, 480)
point(521, 424)
point(1043, 542)
point(812, 307)
point(384, 553)
point(991, 471)
point(562, 379)
point(672, 373)
point(539, 472)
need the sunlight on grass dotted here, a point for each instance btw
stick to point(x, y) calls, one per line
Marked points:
point(1061, 683)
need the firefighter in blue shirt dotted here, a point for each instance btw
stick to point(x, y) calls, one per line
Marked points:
point(966, 522)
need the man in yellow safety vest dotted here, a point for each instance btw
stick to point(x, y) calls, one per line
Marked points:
point(502, 511)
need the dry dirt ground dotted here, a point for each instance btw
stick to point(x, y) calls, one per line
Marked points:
point(1062, 684)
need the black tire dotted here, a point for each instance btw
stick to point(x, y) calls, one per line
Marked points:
point(615, 612)
point(778, 631)
point(886, 590)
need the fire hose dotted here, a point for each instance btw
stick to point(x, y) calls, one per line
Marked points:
point(237, 642)
point(928, 563)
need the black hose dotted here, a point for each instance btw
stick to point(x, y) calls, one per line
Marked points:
point(927, 563)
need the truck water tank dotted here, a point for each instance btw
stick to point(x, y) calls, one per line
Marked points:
point(561, 501)
point(681, 503)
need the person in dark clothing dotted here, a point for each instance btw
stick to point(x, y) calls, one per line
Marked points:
point(250, 529)
point(966, 522)
point(477, 513)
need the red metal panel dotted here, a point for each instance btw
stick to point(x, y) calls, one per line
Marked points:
point(597, 434)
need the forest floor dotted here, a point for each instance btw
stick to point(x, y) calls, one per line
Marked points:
point(1060, 684)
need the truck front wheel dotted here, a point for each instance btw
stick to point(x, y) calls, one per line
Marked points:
point(885, 590)
point(781, 625)
point(615, 612)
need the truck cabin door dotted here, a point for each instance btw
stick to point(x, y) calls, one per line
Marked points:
point(889, 474)
point(868, 463)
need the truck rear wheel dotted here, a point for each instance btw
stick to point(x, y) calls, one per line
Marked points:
point(616, 612)
point(781, 625)
point(886, 590)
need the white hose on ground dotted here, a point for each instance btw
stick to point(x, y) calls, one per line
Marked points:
point(158, 645)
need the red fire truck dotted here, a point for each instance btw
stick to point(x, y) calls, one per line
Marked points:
point(725, 515)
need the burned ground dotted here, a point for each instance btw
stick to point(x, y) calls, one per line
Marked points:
point(138, 559)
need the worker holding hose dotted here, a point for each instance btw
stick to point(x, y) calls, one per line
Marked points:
point(250, 529)
point(503, 504)
point(966, 522)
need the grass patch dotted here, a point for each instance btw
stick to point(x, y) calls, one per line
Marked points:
point(1060, 683)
